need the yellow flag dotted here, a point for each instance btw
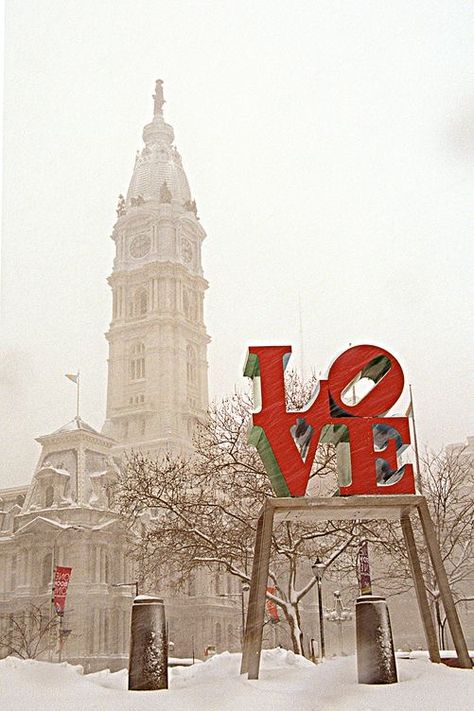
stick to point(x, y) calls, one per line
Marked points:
point(73, 377)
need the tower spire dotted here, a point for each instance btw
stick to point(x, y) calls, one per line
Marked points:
point(158, 98)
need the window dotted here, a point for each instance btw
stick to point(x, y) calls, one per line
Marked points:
point(189, 304)
point(141, 303)
point(137, 362)
point(13, 573)
point(46, 570)
point(49, 496)
point(218, 633)
point(191, 365)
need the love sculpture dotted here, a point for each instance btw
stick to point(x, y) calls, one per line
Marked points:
point(287, 441)
point(380, 487)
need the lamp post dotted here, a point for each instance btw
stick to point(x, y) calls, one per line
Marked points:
point(124, 585)
point(318, 569)
point(245, 588)
point(339, 614)
point(54, 556)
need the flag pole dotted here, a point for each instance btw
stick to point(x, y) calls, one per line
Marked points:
point(415, 443)
point(78, 387)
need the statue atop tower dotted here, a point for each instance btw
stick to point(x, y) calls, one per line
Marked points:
point(158, 97)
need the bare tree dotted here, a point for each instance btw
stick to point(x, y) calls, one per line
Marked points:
point(29, 632)
point(203, 511)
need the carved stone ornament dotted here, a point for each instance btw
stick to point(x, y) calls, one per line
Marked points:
point(140, 246)
point(190, 205)
point(120, 206)
point(137, 201)
point(165, 193)
point(187, 250)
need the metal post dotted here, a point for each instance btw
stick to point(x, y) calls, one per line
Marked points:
point(339, 619)
point(419, 482)
point(318, 569)
point(321, 620)
point(60, 648)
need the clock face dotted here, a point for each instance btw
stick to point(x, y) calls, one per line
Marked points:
point(187, 250)
point(140, 245)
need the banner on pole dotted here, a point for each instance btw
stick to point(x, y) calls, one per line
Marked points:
point(272, 609)
point(61, 582)
point(365, 583)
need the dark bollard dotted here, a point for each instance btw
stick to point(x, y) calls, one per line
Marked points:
point(375, 653)
point(148, 663)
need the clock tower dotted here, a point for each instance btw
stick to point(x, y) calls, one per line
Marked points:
point(157, 367)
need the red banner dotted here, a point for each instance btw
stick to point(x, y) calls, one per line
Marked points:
point(61, 581)
point(365, 583)
point(272, 609)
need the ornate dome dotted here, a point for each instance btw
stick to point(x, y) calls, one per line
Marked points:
point(159, 162)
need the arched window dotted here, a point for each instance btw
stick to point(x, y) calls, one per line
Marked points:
point(141, 303)
point(218, 633)
point(46, 570)
point(137, 361)
point(49, 496)
point(106, 630)
point(230, 636)
point(13, 573)
point(191, 365)
point(107, 568)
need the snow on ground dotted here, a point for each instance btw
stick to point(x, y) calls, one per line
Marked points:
point(287, 683)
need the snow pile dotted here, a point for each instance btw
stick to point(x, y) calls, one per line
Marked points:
point(287, 682)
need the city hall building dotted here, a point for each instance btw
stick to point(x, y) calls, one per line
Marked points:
point(156, 391)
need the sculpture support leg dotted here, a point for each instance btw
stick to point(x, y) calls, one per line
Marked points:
point(244, 667)
point(443, 584)
point(428, 626)
point(258, 588)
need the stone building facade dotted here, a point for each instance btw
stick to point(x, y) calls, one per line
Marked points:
point(157, 389)
point(65, 517)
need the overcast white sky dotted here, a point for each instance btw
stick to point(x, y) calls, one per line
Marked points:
point(330, 149)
